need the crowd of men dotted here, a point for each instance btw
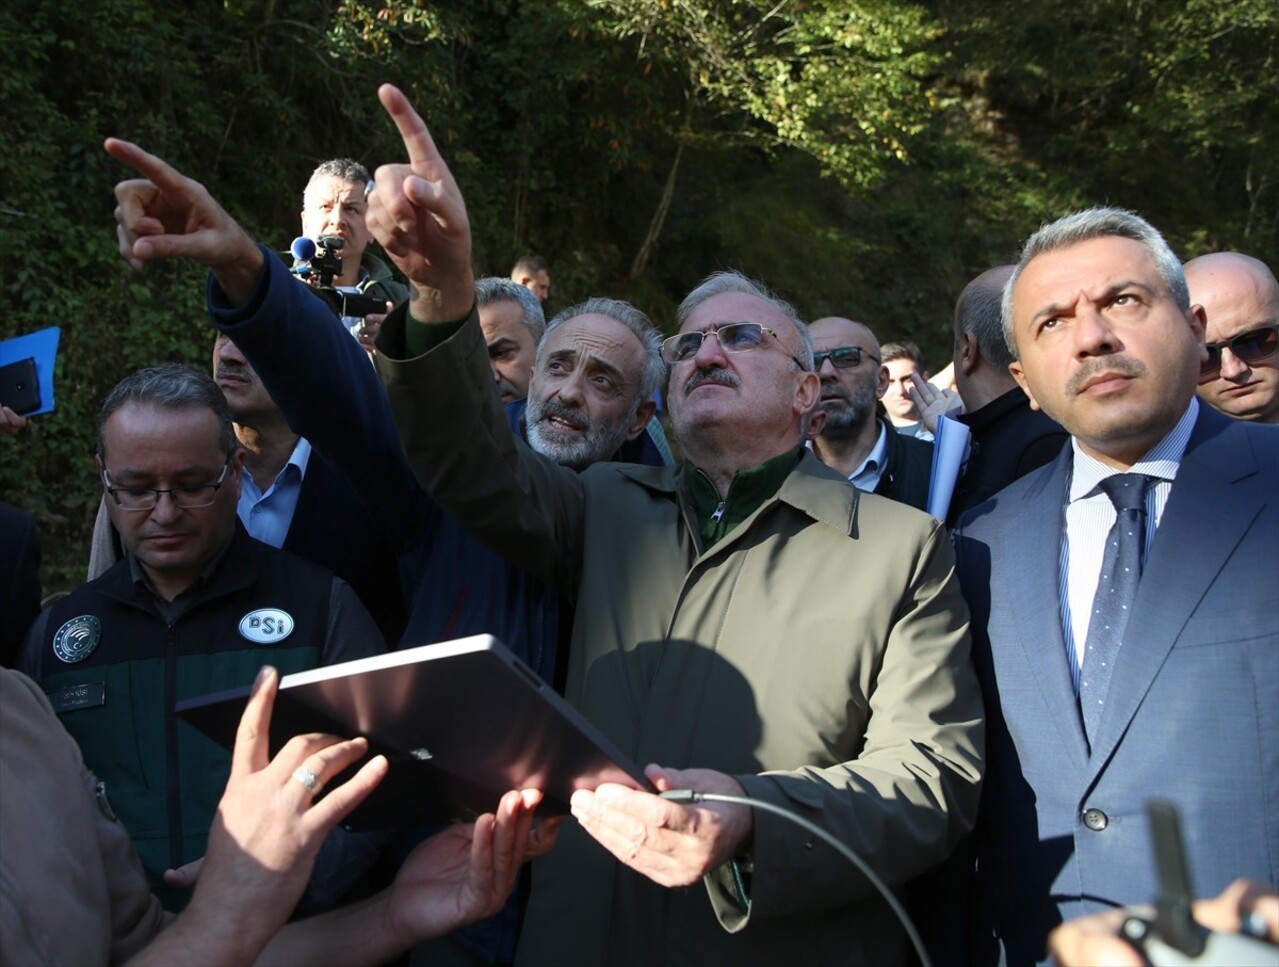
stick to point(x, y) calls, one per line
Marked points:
point(980, 707)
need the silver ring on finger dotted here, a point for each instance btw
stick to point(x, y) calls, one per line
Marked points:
point(309, 779)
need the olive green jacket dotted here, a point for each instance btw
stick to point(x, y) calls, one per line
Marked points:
point(819, 653)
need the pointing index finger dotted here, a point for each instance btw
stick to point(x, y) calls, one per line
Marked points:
point(148, 165)
point(417, 139)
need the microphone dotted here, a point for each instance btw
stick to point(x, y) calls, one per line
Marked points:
point(302, 249)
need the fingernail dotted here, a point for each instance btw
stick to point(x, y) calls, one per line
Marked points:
point(263, 673)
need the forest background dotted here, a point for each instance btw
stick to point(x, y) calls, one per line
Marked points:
point(866, 158)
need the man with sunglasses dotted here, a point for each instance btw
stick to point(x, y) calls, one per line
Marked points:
point(853, 439)
point(196, 606)
point(1240, 297)
point(745, 624)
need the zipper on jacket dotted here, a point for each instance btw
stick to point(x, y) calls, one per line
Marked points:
point(718, 512)
point(172, 759)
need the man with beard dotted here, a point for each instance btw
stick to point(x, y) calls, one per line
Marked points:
point(591, 396)
point(853, 440)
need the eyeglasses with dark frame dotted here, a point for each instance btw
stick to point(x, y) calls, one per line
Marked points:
point(842, 357)
point(1249, 347)
point(184, 498)
point(734, 337)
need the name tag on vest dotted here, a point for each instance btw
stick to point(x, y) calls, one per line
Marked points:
point(86, 695)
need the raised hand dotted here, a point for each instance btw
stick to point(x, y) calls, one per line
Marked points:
point(932, 401)
point(417, 214)
point(165, 214)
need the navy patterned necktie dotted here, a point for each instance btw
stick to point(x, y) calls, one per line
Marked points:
point(1116, 589)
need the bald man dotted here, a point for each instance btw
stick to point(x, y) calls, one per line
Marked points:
point(853, 440)
point(1009, 439)
point(1241, 299)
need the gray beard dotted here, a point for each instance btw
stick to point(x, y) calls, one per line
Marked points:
point(846, 422)
point(597, 443)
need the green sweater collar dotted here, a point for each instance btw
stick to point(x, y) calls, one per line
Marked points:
point(718, 516)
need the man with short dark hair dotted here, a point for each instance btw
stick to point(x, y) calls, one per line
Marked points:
point(293, 496)
point(903, 360)
point(532, 272)
point(1125, 624)
point(1009, 438)
point(853, 439)
point(196, 606)
point(333, 206)
point(1240, 298)
point(512, 320)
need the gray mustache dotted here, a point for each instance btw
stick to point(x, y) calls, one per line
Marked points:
point(721, 376)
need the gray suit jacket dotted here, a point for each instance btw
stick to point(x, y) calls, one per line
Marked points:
point(1193, 706)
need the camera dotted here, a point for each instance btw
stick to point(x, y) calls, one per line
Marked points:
point(317, 262)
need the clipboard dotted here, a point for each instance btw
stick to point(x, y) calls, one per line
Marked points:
point(460, 722)
point(42, 348)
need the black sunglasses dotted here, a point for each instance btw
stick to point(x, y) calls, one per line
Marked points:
point(844, 357)
point(1248, 347)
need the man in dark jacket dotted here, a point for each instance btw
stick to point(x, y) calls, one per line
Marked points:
point(853, 440)
point(1009, 439)
point(196, 606)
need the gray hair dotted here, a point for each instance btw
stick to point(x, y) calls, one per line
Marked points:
point(720, 282)
point(344, 169)
point(637, 322)
point(496, 289)
point(979, 311)
point(170, 386)
point(1084, 226)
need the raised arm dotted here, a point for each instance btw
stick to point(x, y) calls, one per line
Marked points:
point(165, 214)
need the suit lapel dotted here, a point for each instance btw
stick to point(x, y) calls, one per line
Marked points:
point(1206, 517)
point(1034, 569)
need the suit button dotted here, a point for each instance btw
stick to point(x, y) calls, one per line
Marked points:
point(1096, 820)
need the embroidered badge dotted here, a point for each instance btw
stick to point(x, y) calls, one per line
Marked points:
point(76, 640)
point(266, 625)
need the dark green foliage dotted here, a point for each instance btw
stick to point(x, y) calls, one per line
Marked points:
point(864, 157)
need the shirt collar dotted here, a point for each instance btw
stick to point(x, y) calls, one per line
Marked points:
point(875, 459)
point(1160, 461)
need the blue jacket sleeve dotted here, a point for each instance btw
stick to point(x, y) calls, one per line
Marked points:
point(324, 385)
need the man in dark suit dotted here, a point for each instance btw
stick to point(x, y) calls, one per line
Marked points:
point(865, 448)
point(1009, 437)
point(1094, 707)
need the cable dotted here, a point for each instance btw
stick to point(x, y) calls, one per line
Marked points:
point(687, 796)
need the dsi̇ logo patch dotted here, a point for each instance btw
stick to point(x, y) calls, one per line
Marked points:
point(77, 639)
point(266, 626)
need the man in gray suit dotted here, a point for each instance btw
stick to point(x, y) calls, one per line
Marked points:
point(1106, 687)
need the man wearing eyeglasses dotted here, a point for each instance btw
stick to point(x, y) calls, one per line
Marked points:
point(196, 606)
point(746, 623)
point(853, 439)
point(1240, 297)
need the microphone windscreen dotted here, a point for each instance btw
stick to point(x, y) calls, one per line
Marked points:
point(302, 249)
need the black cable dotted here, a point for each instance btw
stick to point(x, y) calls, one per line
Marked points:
point(689, 796)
